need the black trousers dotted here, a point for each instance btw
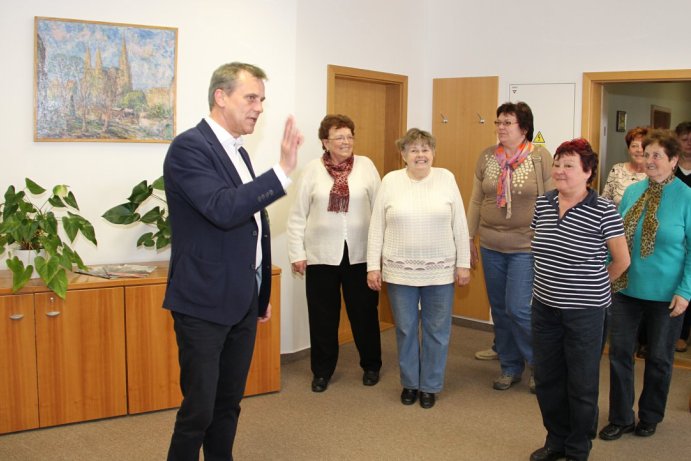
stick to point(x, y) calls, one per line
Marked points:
point(567, 345)
point(323, 286)
point(214, 363)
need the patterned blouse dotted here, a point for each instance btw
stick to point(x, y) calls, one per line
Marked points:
point(618, 180)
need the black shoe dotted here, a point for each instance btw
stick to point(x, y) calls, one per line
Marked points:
point(408, 396)
point(546, 454)
point(427, 399)
point(319, 384)
point(370, 378)
point(644, 429)
point(614, 431)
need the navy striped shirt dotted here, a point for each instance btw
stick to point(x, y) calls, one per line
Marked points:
point(571, 253)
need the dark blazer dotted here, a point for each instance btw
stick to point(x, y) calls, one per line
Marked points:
point(214, 234)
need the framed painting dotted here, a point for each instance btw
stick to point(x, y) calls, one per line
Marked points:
point(660, 117)
point(107, 82)
point(621, 121)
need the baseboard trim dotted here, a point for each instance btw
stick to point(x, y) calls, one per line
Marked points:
point(474, 324)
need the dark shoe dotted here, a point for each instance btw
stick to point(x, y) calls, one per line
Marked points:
point(370, 378)
point(408, 396)
point(319, 384)
point(614, 431)
point(427, 399)
point(546, 454)
point(644, 429)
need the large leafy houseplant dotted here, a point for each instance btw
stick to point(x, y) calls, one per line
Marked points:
point(127, 213)
point(27, 225)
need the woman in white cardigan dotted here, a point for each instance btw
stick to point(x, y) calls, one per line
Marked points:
point(327, 238)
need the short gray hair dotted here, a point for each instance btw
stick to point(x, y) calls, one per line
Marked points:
point(416, 135)
point(226, 76)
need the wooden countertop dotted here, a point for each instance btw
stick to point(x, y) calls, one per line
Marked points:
point(82, 281)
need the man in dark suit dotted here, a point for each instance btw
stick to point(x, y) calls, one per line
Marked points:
point(220, 269)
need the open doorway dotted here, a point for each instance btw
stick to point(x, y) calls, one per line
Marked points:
point(597, 86)
point(592, 127)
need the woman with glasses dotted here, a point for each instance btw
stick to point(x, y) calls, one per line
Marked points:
point(418, 245)
point(509, 176)
point(327, 242)
point(657, 286)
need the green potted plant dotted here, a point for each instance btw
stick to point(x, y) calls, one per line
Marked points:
point(126, 213)
point(28, 226)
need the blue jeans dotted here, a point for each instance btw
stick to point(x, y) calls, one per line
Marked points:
point(567, 346)
point(422, 359)
point(662, 332)
point(509, 281)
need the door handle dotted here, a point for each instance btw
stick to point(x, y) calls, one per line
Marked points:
point(53, 313)
point(16, 316)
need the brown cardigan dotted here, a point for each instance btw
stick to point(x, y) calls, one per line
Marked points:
point(487, 220)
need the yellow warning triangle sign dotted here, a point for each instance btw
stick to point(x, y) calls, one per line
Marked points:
point(539, 139)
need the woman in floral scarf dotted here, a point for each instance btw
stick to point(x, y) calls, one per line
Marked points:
point(509, 176)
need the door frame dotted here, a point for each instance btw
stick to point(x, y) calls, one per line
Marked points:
point(400, 82)
point(593, 82)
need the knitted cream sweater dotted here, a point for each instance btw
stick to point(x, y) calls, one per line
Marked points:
point(418, 233)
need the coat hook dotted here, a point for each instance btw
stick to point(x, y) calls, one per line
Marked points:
point(482, 120)
point(443, 118)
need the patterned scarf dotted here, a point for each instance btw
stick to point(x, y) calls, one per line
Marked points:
point(650, 200)
point(508, 165)
point(339, 197)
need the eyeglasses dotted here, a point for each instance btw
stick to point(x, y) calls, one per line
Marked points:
point(342, 138)
point(504, 123)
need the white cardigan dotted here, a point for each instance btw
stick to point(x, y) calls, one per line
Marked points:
point(317, 235)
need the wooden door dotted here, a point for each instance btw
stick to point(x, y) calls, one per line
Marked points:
point(153, 373)
point(463, 110)
point(80, 345)
point(18, 389)
point(377, 102)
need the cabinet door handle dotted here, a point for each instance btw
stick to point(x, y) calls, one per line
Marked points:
point(16, 316)
point(53, 313)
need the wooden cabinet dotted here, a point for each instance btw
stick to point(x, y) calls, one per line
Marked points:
point(18, 381)
point(80, 355)
point(109, 349)
point(153, 374)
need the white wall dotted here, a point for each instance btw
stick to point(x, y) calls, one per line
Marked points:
point(543, 41)
point(293, 40)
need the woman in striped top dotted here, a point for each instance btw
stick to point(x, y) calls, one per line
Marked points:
point(574, 229)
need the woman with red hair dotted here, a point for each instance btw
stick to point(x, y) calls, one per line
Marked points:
point(574, 231)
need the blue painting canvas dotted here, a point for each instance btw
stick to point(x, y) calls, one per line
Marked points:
point(97, 81)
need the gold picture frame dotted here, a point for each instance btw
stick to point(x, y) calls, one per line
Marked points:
point(104, 82)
